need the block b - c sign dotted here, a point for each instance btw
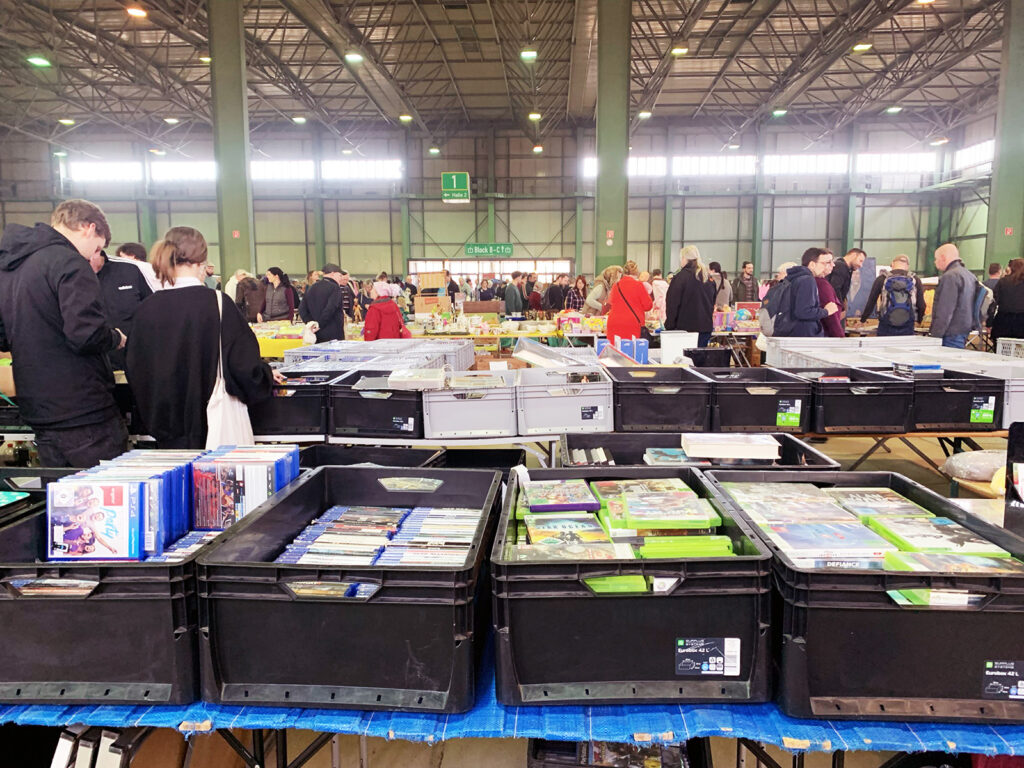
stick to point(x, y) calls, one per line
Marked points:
point(455, 187)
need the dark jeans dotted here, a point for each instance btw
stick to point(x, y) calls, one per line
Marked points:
point(82, 446)
point(884, 329)
point(703, 339)
point(957, 341)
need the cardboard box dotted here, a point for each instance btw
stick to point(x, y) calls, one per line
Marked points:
point(483, 363)
point(429, 304)
point(483, 307)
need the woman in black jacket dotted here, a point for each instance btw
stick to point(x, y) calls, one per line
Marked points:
point(176, 341)
point(690, 302)
point(1009, 301)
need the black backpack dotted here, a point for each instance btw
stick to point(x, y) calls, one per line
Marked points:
point(898, 300)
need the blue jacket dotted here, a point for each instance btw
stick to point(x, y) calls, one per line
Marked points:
point(804, 314)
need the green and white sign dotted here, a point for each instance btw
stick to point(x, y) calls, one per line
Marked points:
point(788, 413)
point(983, 410)
point(455, 187)
point(488, 249)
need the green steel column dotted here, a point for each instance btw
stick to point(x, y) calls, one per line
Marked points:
point(491, 185)
point(578, 255)
point(1006, 206)
point(850, 214)
point(147, 223)
point(666, 246)
point(612, 200)
point(231, 136)
point(319, 225)
point(757, 221)
point(406, 235)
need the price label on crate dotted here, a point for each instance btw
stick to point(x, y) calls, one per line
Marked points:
point(591, 412)
point(1003, 680)
point(983, 409)
point(788, 413)
point(708, 656)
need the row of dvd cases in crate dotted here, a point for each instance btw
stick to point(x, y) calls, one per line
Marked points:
point(636, 399)
point(234, 626)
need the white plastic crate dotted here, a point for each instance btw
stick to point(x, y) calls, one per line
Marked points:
point(472, 412)
point(549, 403)
point(1010, 348)
point(582, 355)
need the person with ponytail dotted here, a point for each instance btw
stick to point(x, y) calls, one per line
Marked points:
point(176, 343)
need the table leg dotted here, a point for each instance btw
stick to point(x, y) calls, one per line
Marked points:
point(314, 747)
point(879, 443)
point(282, 749)
point(249, 758)
point(922, 454)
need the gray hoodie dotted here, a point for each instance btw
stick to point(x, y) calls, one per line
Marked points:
point(953, 306)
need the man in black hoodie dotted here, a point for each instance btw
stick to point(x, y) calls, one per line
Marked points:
point(52, 321)
point(324, 305)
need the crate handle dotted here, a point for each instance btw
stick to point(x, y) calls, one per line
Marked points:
point(371, 394)
point(52, 586)
point(985, 599)
point(954, 389)
point(595, 583)
point(865, 390)
point(469, 395)
point(665, 389)
point(761, 389)
point(328, 590)
point(565, 391)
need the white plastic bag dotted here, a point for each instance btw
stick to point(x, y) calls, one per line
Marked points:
point(975, 465)
point(309, 332)
point(227, 418)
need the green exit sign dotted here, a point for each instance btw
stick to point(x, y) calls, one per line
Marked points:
point(488, 249)
point(455, 187)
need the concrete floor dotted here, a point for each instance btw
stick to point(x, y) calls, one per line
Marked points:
point(511, 753)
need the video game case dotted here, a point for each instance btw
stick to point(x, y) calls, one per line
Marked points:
point(614, 489)
point(578, 528)
point(559, 496)
point(94, 520)
point(933, 534)
point(947, 563)
point(793, 512)
point(828, 541)
point(535, 553)
point(672, 510)
point(876, 502)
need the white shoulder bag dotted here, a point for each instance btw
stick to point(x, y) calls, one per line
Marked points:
point(227, 418)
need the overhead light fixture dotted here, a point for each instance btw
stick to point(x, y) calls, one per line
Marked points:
point(205, 59)
point(538, 148)
point(779, 112)
point(862, 47)
point(171, 120)
point(354, 57)
point(157, 151)
point(434, 150)
point(66, 121)
point(38, 61)
point(60, 153)
point(534, 116)
point(528, 54)
point(939, 141)
point(732, 145)
point(405, 118)
point(894, 110)
point(299, 120)
point(346, 151)
point(644, 114)
point(925, 2)
point(136, 12)
point(680, 50)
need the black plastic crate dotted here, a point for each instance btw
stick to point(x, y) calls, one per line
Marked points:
point(127, 636)
point(314, 456)
point(655, 399)
point(870, 402)
point(958, 401)
point(293, 409)
point(846, 650)
point(758, 400)
point(628, 449)
point(710, 357)
point(374, 413)
point(412, 645)
point(558, 642)
point(495, 459)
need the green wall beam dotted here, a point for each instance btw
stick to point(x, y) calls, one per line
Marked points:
point(147, 223)
point(612, 199)
point(578, 253)
point(231, 136)
point(666, 239)
point(1006, 206)
point(406, 234)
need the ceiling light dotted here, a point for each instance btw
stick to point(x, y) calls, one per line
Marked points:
point(171, 120)
point(925, 2)
point(299, 120)
point(66, 121)
point(354, 57)
point(60, 153)
point(136, 12)
point(528, 54)
point(680, 50)
point(405, 118)
point(205, 59)
point(346, 151)
point(893, 110)
point(434, 150)
point(861, 47)
point(732, 146)
point(779, 112)
point(534, 116)
point(38, 61)
point(643, 114)
point(538, 148)
point(158, 152)
point(939, 141)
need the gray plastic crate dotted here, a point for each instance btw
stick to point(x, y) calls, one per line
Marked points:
point(472, 412)
point(548, 402)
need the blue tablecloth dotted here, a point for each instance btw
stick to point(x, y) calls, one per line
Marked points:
point(489, 719)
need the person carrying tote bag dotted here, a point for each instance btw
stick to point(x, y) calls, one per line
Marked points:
point(193, 367)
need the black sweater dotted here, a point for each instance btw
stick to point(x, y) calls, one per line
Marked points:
point(690, 302)
point(54, 327)
point(323, 303)
point(124, 287)
point(172, 362)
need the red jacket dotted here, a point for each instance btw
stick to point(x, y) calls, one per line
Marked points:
point(630, 301)
point(383, 321)
point(831, 325)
